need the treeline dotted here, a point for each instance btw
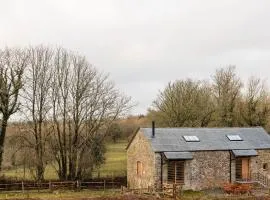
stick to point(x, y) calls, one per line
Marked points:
point(66, 106)
point(225, 101)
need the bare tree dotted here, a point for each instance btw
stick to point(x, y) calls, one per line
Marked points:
point(61, 111)
point(255, 108)
point(184, 103)
point(12, 65)
point(84, 104)
point(36, 102)
point(227, 89)
point(68, 106)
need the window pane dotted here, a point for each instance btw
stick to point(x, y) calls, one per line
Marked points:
point(234, 138)
point(191, 138)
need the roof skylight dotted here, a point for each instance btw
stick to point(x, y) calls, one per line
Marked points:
point(191, 138)
point(234, 138)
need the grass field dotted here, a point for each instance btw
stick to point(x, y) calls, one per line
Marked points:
point(115, 165)
point(59, 195)
point(116, 161)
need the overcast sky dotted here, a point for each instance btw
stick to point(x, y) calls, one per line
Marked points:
point(145, 44)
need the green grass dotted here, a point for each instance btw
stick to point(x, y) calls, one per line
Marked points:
point(58, 194)
point(116, 161)
point(18, 173)
point(115, 165)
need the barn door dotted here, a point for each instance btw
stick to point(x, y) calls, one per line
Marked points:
point(242, 169)
point(245, 168)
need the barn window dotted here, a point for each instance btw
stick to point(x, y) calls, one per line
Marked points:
point(191, 138)
point(139, 168)
point(176, 172)
point(234, 138)
point(265, 166)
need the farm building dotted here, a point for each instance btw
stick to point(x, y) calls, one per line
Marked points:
point(197, 158)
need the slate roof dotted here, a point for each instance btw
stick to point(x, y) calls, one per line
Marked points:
point(171, 139)
point(245, 152)
point(178, 155)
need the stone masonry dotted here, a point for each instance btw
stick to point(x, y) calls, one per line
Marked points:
point(140, 150)
point(207, 169)
point(256, 163)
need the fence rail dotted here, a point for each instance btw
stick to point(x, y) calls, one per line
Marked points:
point(57, 185)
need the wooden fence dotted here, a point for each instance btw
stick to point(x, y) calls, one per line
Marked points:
point(57, 185)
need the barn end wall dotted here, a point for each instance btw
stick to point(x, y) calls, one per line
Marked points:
point(140, 150)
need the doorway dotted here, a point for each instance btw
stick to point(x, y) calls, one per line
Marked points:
point(242, 169)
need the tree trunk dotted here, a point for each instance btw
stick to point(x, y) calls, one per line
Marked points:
point(2, 140)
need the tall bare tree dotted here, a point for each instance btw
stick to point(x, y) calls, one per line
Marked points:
point(12, 65)
point(184, 103)
point(227, 89)
point(61, 111)
point(84, 104)
point(37, 105)
point(255, 108)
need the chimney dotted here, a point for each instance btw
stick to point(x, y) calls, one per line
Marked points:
point(153, 129)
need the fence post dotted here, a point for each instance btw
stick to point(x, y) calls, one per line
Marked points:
point(38, 185)
point(50, 186)
point(174, 191)
point(104, 185)
point(22, 187)
point(78, 185)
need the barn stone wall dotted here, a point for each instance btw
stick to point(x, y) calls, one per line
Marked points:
point(140, 150)
point(207, 169)
point(256, 163)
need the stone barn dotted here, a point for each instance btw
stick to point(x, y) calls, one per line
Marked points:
point(197, 158)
